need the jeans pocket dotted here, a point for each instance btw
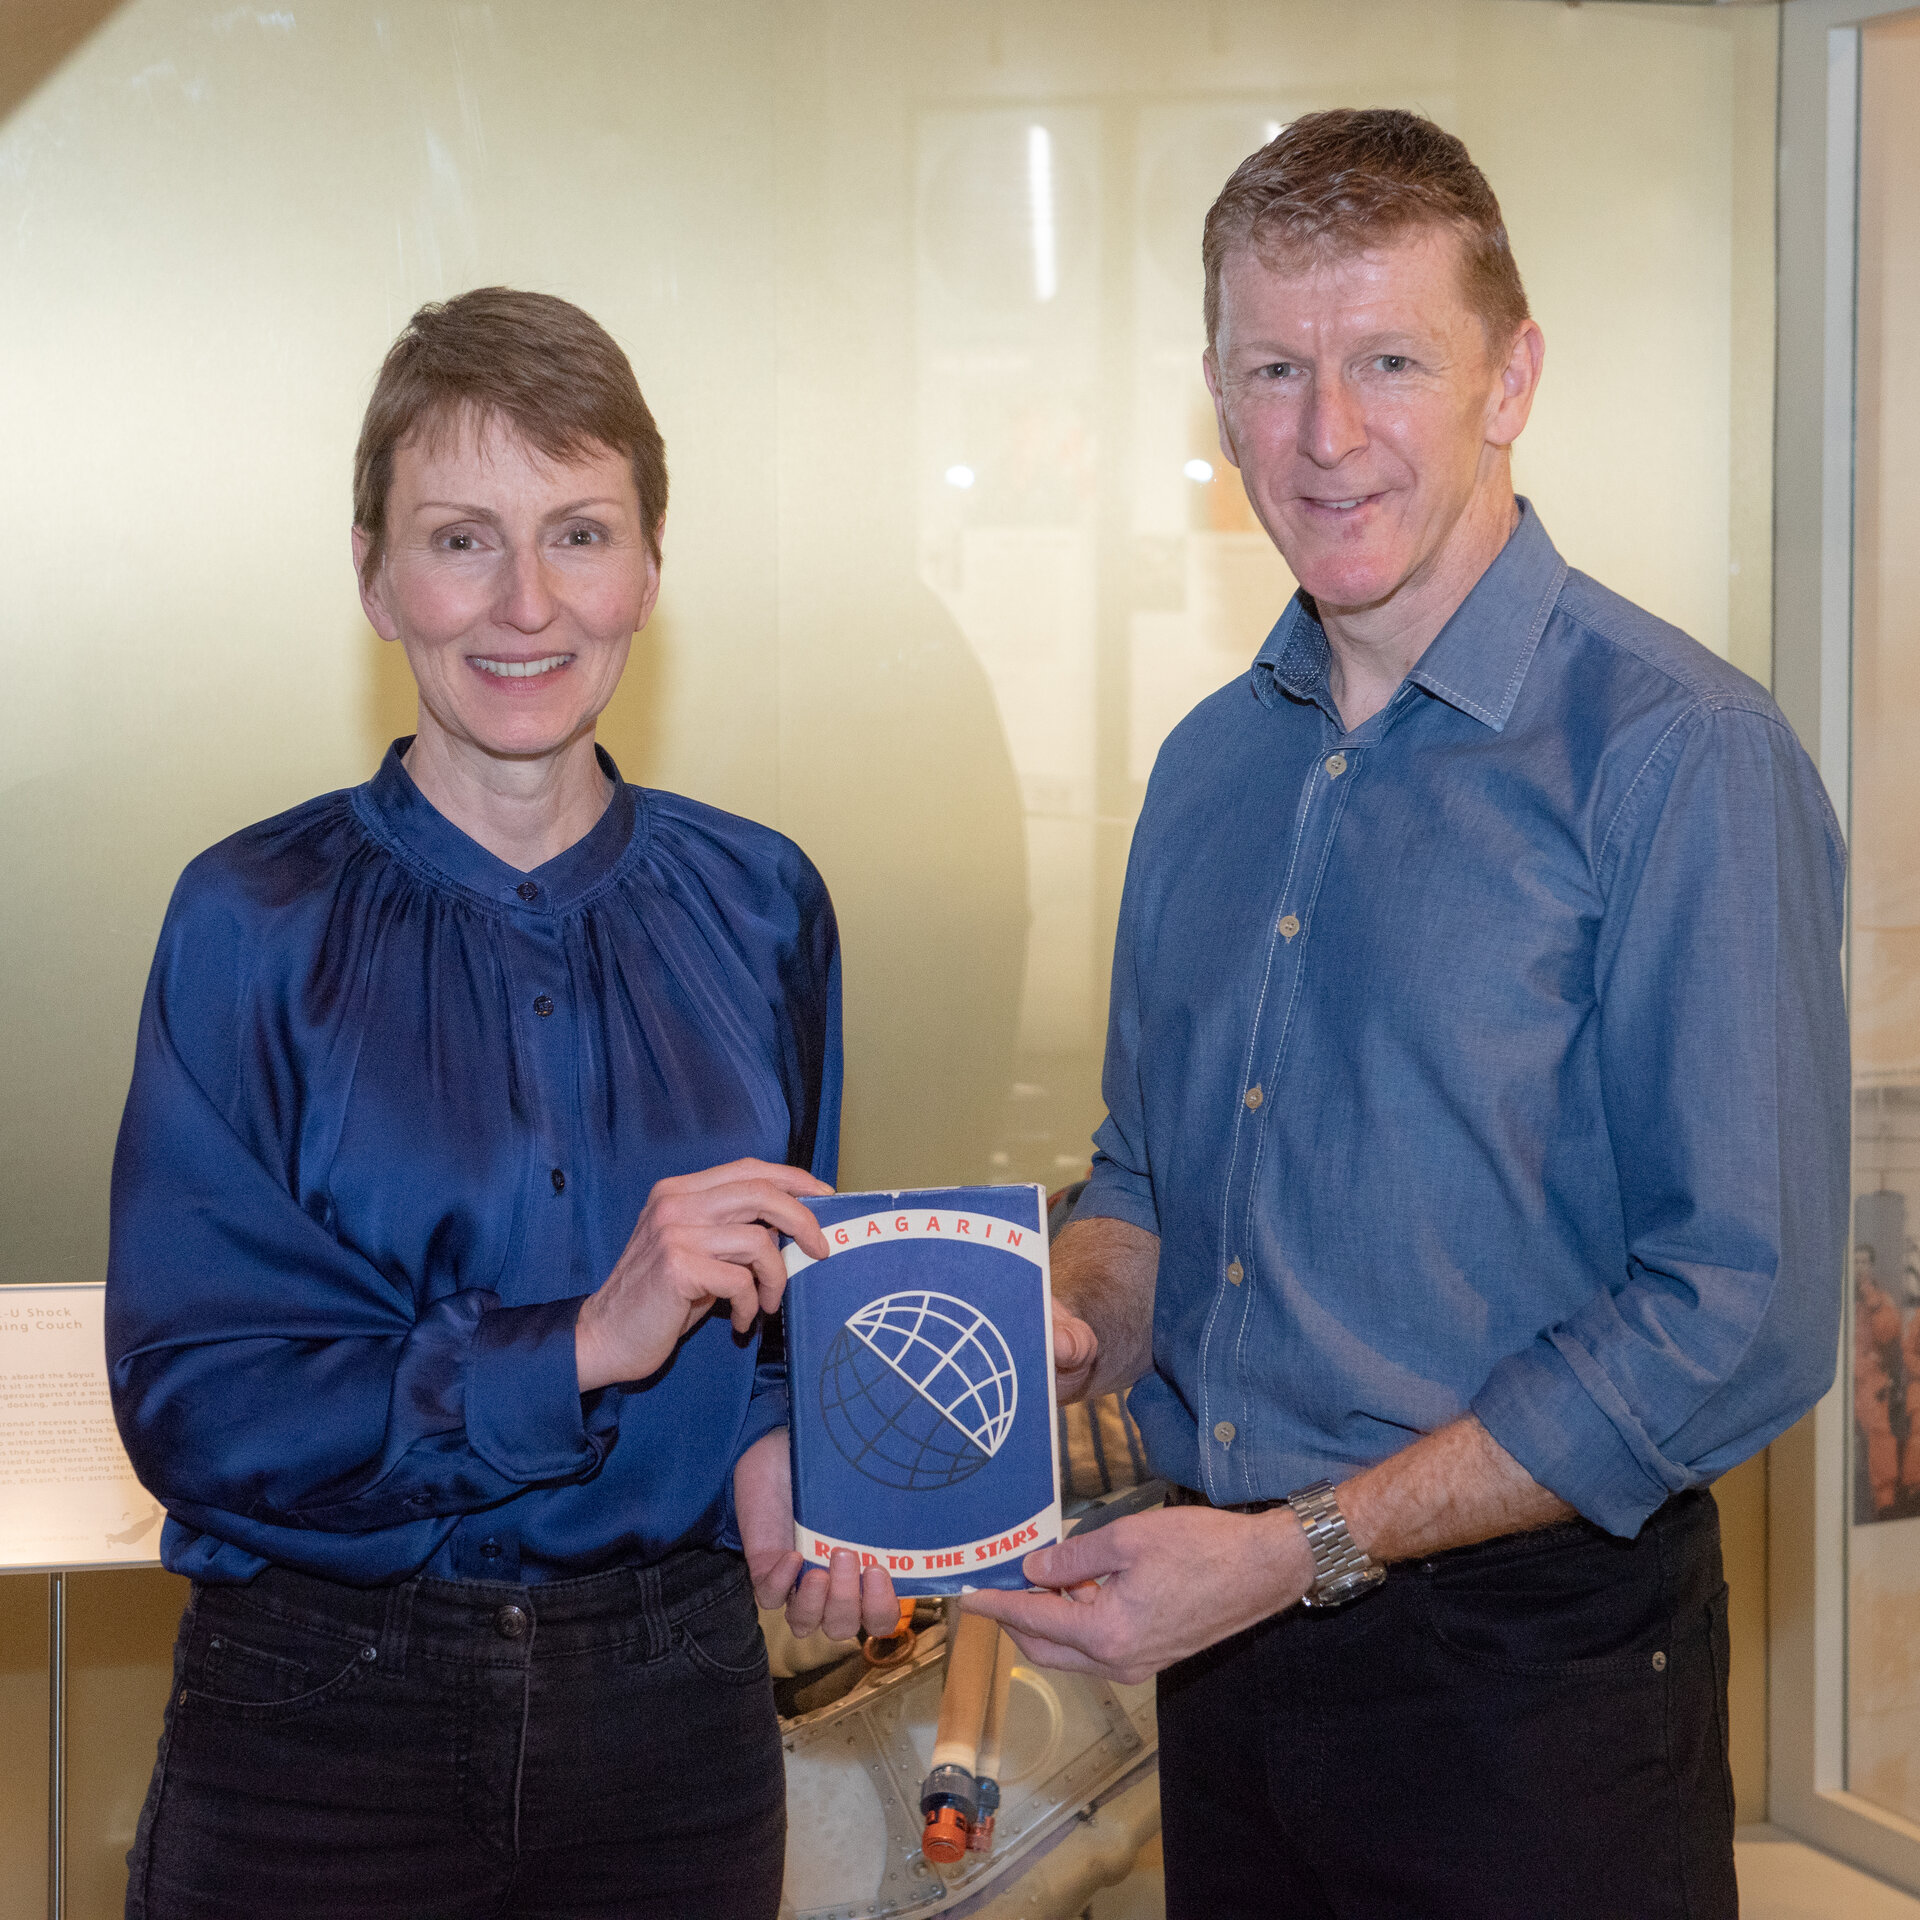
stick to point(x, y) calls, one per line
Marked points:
point(232, 1670)
point(257, 1667)
point(722, 1639)
point(1587, 1609)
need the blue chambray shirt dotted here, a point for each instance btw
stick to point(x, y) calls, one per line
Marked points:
point(1491, 1056)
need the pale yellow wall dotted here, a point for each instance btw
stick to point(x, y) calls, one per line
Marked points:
point(810, 223)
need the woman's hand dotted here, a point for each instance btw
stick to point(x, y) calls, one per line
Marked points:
point(841, 1599)
point(701, 1238)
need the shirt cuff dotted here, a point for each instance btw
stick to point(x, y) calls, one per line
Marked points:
point(1534, 1405)
point(1114, 1194)
point(523, 1408)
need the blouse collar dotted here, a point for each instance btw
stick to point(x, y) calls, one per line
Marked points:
point(400, 815)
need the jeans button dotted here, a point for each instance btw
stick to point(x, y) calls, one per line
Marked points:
point(510, 1623)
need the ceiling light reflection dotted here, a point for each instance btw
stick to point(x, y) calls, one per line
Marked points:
point(961, 477)
point(1198, 470)
point(1046, 268)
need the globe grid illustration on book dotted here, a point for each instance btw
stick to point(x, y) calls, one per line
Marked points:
point(918, 1390)
point(919, 1346)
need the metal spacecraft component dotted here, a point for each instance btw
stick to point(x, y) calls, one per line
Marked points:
point(1077, 1776)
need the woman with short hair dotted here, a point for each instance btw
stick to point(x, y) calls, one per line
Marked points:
point(468, 1107)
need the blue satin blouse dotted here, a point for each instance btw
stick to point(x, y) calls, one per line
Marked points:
point(396, 1107)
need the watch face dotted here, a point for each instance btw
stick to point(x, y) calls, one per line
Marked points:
point(1348, 1586)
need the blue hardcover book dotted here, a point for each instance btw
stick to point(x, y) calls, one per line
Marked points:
point(920, 1354)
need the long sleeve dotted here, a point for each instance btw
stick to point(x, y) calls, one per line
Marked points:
point(814, 1062)
point(396, 1108)
point(267, 1375)
point(1724, 1072)
point(1121, 1187)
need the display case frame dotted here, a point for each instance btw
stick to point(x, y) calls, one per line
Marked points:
point(1821, 48)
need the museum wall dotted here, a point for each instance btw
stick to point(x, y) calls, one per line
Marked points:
point(1883, 1545)
point(913, 289)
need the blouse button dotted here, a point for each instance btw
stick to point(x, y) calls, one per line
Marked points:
point(527, 890)
point(544, 1005)
point(559, 1181)
point(1289, 925)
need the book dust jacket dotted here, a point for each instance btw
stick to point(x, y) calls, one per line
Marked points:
point(920, 1360)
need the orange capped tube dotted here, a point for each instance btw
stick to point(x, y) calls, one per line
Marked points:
point(992, 1741)
point(950, 1797)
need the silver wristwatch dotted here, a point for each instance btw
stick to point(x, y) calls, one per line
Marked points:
point(1341, 1572)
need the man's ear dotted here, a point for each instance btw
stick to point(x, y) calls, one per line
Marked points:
point(1210, 371)
point(1519, 382)
point(371, 586)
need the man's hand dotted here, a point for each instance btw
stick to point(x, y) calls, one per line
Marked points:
point(1176, 1581)
point(1076, 1352)
point(841, 1599)
point(1171, 1583)
point(702, 1238)
point(1103, 1274)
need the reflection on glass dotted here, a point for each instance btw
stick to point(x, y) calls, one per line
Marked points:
point(952, 545)
point(1078, 520)
point(1883, 1759)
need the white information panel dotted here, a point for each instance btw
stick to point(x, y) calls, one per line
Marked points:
point(68, 1498)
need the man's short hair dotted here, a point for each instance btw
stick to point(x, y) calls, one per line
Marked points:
point(537, 364)
point(1335, 183)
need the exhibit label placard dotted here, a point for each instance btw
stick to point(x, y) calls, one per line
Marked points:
point(68, 1496)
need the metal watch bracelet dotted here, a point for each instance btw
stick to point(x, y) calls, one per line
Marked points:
point(1341, 1571)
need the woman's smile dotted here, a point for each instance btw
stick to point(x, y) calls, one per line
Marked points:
point(503, 668)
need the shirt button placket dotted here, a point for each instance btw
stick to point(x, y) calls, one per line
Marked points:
point(1288, 926)
point(542, 956)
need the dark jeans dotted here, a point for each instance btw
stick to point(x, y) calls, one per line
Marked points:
point(1527, 1729)
point(453, 1750)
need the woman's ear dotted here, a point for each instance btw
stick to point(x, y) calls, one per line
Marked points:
point(650, 588)
point(371, 584)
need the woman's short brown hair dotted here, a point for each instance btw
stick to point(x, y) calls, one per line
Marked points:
point(1335, 183)
point(551, 372)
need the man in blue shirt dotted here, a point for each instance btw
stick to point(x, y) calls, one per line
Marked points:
point(1473, 1186)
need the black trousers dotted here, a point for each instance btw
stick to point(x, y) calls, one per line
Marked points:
point(466, 1750)
point(1532, 1729)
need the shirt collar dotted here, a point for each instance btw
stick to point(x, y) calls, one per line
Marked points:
point(402, 816)
point(1477, 660)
